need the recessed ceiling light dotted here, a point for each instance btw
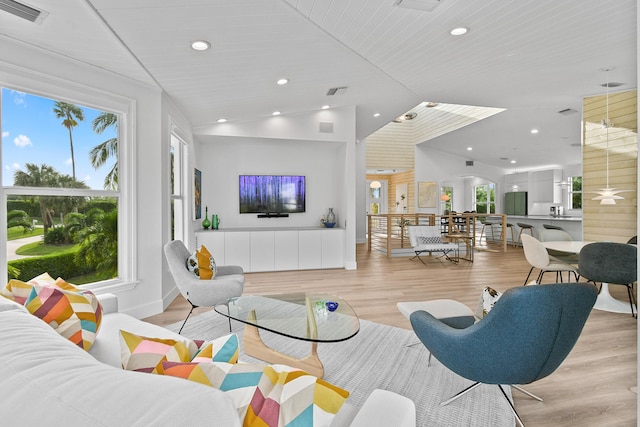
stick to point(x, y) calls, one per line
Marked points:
point(513, 161)
point(282, 82)
point(326, 107)
point(222, 120)
point(534, 131)
point(469, 148)
point(200, 45)
point(376, 115)
point(458, 31)
point(276, 113)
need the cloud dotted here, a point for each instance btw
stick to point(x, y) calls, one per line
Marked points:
point(22, 141)
point(5, 134)
point(19, 98)
point(87, 178)
point(13, 167)
point(69, 161)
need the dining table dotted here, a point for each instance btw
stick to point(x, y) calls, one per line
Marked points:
point(605, 301)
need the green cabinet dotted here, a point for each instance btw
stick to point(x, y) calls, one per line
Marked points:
point(515, 203)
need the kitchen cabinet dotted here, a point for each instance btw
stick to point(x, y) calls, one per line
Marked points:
point(515, 203)
point(544, 188)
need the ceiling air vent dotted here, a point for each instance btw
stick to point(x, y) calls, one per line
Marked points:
point(567, 111)
point(337, 91)
point(23, 11)
point(425, 5)
point(469, 162)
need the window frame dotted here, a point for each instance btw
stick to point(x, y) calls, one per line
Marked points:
point(125, 109)
point(571, 192)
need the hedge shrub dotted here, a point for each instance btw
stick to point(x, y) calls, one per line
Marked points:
point(57, 265)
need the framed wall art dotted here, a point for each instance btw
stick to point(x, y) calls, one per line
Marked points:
point(427, 194)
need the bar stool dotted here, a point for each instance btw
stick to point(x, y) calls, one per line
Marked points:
point(524, 227)
point(485, 224)
point(513, 235)
point(552, 227)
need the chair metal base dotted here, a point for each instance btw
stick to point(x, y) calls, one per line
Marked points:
point(191, 311)
point(444, 254)
point(513, 409)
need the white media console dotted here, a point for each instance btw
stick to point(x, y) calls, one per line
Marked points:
point(275, 249)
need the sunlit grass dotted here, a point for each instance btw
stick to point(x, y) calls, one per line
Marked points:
point(14, 233)
point(40, 249)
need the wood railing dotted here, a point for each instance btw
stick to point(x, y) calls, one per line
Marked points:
point(392, 227)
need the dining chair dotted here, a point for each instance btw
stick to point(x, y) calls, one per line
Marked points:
point(612, 263)
point(538, 257)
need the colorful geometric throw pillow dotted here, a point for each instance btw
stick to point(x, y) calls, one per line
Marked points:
point(74, 313)
point(223, 349)
point(202, 264)
point(293, 398)
point(144, 354)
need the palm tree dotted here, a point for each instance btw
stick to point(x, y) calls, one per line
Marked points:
point(38, 176)
point(70, 114)
point(109, 148)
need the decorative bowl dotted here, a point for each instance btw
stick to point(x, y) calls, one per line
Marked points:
point(329, 224)
point(331, 305)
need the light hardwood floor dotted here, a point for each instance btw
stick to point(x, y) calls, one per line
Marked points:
point(591, 388)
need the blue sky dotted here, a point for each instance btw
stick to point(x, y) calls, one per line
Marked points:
point(31, 133)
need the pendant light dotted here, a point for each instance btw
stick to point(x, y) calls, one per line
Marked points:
point(608, 195)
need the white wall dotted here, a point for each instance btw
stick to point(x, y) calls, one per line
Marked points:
point(431, 165)
point(292, 144)
point(223, 159)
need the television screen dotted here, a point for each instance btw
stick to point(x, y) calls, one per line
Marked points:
point(272, 194)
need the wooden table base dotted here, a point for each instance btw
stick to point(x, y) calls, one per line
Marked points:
point(255, 347)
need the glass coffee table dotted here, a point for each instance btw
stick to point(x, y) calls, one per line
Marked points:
point(307, 316)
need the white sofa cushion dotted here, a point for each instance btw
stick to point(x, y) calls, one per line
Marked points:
point(47, 380)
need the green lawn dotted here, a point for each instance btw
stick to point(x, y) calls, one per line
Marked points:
point(14, 233)
point(40, 249)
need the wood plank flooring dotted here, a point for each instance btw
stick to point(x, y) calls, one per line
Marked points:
point(593, 387)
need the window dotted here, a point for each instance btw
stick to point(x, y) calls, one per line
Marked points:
point(446, 199)
point(485, 198)
point(60, 180)
point(575, 192)
point(178, 188)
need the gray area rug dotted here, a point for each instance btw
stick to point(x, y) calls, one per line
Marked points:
point(385, 357)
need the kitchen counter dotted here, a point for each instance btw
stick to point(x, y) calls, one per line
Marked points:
point(570, 224)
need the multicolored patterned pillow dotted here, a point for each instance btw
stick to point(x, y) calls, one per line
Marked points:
point(144, 354)
point(487, 300)
point(223, 349)
point(74, 313)
point(202, 264)
point(268, 395)
point(292, 398)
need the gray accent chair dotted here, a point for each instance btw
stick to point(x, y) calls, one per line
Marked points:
point(612, 263)
point(227, 283)
point(525, 337)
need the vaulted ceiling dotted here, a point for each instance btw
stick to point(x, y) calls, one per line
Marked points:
point(533, 58)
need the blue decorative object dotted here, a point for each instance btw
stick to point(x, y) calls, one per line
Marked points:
point(329, 224)
point(332, 305)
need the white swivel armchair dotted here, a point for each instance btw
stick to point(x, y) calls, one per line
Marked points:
point(228, 281)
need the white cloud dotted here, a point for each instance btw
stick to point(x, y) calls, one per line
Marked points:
point(68, 162)
point(87, 178)
point(19, 98)
point(5, 134)
point(22, 141)
point(16, 167)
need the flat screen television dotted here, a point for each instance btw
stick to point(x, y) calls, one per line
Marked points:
point(272, 194)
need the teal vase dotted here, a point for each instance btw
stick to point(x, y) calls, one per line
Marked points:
point(206, 223)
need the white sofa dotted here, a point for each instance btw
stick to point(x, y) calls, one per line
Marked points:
point(46, 380)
